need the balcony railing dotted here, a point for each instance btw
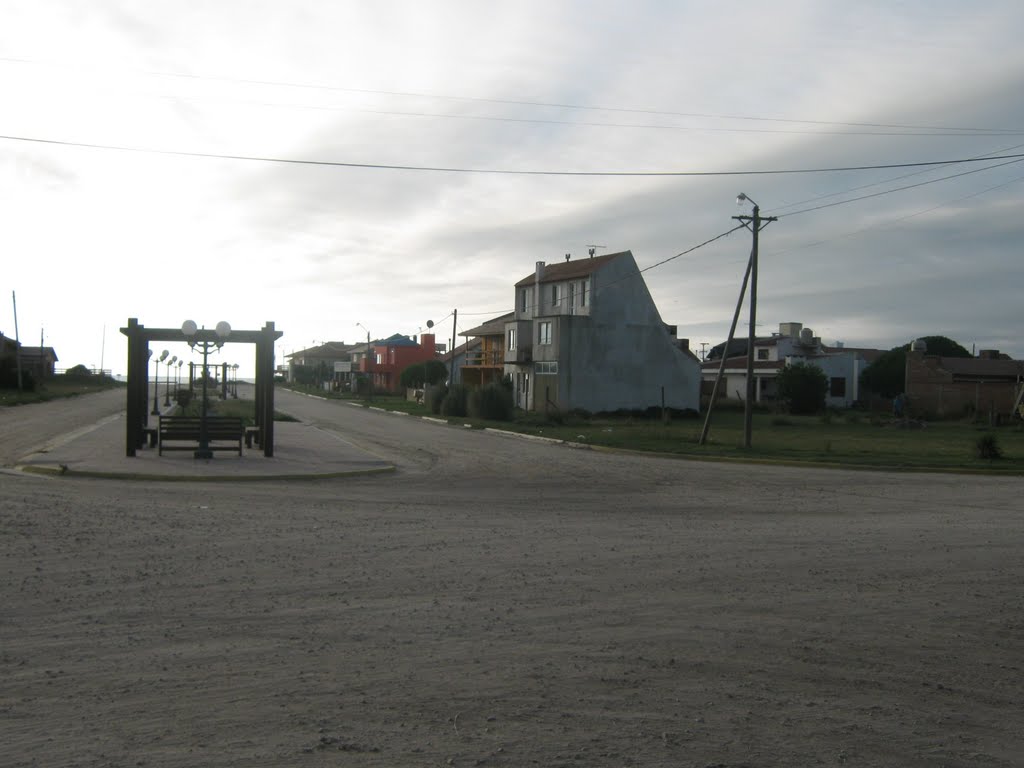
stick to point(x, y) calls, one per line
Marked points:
point(485, 359)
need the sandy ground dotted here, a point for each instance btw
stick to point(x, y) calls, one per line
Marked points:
point(505, 603)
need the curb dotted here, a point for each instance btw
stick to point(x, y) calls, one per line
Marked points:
point(51, 471)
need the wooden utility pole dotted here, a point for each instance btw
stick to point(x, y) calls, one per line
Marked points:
point(17, 340)
point(755, 224)
point(451, 362)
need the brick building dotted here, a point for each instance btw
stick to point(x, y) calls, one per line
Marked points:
point(950, 386)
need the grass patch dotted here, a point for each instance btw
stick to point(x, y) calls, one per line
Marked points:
point(58, 387)
point(845, 439)
point(242, 408)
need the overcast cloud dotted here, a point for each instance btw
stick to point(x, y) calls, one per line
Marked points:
point(93, 236)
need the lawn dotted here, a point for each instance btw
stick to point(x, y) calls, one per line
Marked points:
point(851, 439)
point(57, 387)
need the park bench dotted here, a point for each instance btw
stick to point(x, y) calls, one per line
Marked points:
point(219, 429)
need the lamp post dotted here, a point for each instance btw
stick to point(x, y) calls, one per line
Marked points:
point(368, 361)
point(156, 384)
point(177, 375)
point(223, 330)
point(167, 381)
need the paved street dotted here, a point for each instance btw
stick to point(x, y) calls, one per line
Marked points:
point(500, 601)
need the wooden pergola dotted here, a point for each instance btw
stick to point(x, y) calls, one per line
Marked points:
point(139, 338)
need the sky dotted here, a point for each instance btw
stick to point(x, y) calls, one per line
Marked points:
point(236, 161)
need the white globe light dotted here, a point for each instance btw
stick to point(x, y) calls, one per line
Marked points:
point(223, 329)
point(189, 328)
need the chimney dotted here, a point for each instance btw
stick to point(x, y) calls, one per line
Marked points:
point(427, 344)
point(568, 256)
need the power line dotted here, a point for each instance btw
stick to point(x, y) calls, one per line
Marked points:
point(905, 187)
point(499, 171)
point(986, 156)
point(544, 104)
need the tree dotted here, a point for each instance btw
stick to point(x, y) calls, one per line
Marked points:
point(803, 387)
point(79, 371)
point(417, 375)
point(887, 375)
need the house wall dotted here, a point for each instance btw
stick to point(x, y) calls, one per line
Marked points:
point(621, 355)
point(933, 390)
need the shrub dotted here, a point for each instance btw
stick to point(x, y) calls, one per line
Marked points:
point(492, 401)
point(987, 447)
point(417, 375)
point(454, 403)
point(433, 396)
point(78, 372)
point(183, 397)
point(803, 387)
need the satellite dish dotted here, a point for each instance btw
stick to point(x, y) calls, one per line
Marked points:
point(430, 323)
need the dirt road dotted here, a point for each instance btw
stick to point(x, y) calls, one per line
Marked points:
point(501, 602)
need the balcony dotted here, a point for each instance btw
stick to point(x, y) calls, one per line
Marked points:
point(492, 358)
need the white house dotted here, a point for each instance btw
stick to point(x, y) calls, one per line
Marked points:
point(792, 344)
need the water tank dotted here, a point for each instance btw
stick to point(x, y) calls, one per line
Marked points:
point(806, 336)
point(919, 345)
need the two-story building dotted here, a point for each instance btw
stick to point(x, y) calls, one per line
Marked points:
point(484, 355)
point(393, 355)
point(586, 334)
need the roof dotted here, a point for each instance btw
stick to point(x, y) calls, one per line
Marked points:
point(396, 340)
point(328, 349)
point(493, 327)
point(568, 270)
point(460, 350)
point(980, 366)
point(31, 352)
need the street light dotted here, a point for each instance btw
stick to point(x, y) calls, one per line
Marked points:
point(177, 375)
point(156, 384)
point(234, 388)
point(167, 381)
point(223, 330)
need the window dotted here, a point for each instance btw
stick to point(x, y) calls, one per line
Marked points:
point(546, 369)
point(572, 298)
point(583, 293)
point(544, 332)
point(554, 296)
point(511, 338)
point(378, 358)
point(522, 299)
point(837, 387)
point(762, 354)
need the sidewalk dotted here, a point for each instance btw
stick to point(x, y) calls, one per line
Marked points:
point(301, 451)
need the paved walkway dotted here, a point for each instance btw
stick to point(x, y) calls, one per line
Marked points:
point(301, 451)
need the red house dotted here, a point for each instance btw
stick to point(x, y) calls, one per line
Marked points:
point(393, 355)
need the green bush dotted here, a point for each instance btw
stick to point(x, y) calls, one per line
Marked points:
point(454, 403)
point(417, 375)
point(987, 447)
point(492, 401)
point(803, 387)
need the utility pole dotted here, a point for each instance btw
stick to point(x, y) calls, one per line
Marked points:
point(703, 346)
point(451, 362)
point(755, 224)
point(17, 339)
